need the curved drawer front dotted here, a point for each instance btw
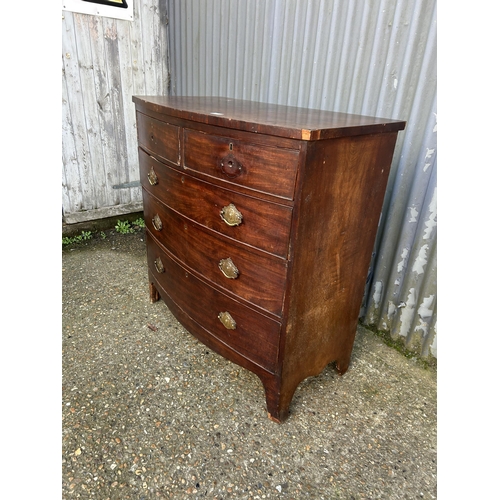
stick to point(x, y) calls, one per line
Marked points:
point(254, 336)
point(266, 169)
point(263, 225)
point(254, 276)
point(159, 138)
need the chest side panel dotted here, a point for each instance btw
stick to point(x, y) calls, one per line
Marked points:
point(343, 188)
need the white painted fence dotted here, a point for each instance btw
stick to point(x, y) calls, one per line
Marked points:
point(106, 61)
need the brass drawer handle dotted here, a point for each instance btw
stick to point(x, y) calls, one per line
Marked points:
point(152, 177)
point(157, 224)
point(231, 215)
point(159, 265)
point(230, 166)
point(228, 269)
point(227, 320)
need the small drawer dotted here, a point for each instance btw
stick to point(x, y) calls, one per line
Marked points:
point(254, 336)
point(263, 225)
point(265, 169)
point(253, 276)
point(159, 138)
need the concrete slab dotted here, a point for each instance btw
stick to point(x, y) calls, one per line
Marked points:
point(149, 412)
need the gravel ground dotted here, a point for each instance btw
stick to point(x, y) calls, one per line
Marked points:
point(149, 412)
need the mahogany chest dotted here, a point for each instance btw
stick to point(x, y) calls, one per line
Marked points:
point(261, 221)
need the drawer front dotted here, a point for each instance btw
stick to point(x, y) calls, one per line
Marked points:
point(253, 335)
point(254, 276)
point(263, 225)
point(159, 138)
point(266, 169)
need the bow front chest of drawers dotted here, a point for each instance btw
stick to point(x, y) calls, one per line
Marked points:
point(261, 221)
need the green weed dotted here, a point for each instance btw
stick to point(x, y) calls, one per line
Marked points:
point(85, 235)
point(139, 222)
point(124, 227)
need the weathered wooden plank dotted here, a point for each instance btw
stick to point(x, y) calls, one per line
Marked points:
point(126, 34)
point(75, 141)
point(135, 35)
point(135, 84)
point(71, 192)
point(97, 170)
point(103, 213)
point(100, 30)
point(154, 47)
point(114, 68)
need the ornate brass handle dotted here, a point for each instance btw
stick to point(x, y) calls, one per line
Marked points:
point(227, 320)
point(152, 177)
point(159, 265)
point(157, 224)
point(231, 215)
point(228, 269)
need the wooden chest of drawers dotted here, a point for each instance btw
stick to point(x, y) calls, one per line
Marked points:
point(261, 220)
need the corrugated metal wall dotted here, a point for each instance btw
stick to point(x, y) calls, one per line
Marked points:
point(104, 62)
point(373, 57)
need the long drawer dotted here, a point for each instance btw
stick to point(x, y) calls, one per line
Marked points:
point(256, 222)
point(249, 333)
point(262, 168)
point(255, 276)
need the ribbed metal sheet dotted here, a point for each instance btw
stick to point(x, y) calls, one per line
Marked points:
point(373, 57)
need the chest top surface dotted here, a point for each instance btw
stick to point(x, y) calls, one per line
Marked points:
point(272, 119)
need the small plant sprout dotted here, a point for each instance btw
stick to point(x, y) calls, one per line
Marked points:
point(124, 227)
